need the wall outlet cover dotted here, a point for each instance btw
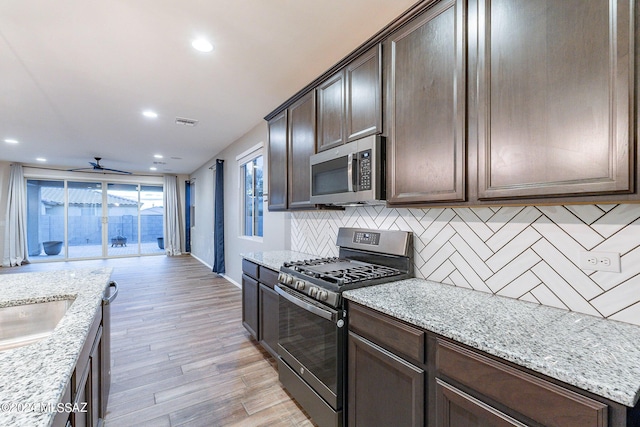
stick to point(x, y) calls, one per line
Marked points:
point(600, 261)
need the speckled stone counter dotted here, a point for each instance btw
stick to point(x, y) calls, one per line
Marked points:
point(275, 259)
point(37, 374)
point(600, 356)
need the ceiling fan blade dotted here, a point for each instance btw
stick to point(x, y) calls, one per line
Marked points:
point(115, 170)
point(80, 169)
point(96, 166)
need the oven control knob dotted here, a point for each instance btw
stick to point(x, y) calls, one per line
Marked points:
point(288, 280)
point(323, 295)
point(300, 285)
point(282, 277)
point(313, 291)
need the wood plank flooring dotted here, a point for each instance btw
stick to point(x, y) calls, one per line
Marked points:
point(180, 355)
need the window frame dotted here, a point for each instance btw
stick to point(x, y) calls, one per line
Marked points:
point(243, 159)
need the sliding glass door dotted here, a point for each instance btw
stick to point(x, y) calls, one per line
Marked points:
point(79, 220)
point(135, 219)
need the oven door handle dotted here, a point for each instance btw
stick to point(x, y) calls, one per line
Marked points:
point(325, 314)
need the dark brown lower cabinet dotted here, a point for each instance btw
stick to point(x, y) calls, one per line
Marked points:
point(268, 319)
point(401, 375)
point(384, 390)
point(260, 304)
point(250, 305)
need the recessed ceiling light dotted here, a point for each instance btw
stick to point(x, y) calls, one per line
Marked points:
point(157, 156)
point(11, 141)
point(150, 114)
point(202, 45)
point(41, 159)
point(152, 168)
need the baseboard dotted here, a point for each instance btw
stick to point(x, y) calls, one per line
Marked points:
point(201, 261)
point(222, 275)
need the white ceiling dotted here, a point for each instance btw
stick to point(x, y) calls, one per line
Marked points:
point(75, 75)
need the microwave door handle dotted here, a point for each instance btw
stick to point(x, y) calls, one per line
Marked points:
point(350, 172)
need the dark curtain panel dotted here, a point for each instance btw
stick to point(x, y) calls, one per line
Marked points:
point(187, 216)
point(218, 212)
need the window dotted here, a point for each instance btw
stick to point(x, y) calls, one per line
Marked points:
point(251, 187)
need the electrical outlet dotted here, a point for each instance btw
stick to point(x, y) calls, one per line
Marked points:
point(602, 261)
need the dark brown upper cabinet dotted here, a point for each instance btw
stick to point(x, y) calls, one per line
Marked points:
point(363, 81)
point(350, 102)
point(277, 162)
point(331, 112)
point(555, 98)
point(302, 144)
point(425, 107)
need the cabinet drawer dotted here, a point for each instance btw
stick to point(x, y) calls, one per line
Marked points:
point(533, 397)
point(387, 332)
point(250, 269)
point(268, 276)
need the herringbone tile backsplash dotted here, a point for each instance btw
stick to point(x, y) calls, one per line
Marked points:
point(529, 253)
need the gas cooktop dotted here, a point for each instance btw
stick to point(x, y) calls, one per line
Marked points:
point(341, 271)
point(366, 257)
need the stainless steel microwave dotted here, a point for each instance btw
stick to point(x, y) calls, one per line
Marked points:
point(350, 174)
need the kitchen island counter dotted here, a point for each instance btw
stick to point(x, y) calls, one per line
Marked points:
point(597, 355)
point(33, 378)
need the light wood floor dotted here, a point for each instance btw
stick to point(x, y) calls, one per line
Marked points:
point(179, 352)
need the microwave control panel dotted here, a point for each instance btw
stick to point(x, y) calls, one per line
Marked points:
point(364, 170)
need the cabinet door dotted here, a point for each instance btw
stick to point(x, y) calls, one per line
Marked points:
point(95, 382)
point(269, 319)
point(555, 97)
point(384, 390)
point(302, 144)
point(63, 419)
point(277, 162)
point(250, 305)
point(364, 95)
point(458, 409)
point(330, 96)
point(78, 418)
point(425, 106)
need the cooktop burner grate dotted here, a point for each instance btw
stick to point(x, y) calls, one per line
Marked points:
point(366, 257)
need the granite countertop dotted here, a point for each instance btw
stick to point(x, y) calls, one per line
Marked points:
point(597, 355)
point(275, 259)
point(37, 374)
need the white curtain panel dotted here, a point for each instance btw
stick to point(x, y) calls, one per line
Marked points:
point(15, 236)
point(172, 241)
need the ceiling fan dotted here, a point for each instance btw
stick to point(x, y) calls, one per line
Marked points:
point(96, 166)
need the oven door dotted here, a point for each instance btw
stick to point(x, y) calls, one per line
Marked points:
point(312, 343)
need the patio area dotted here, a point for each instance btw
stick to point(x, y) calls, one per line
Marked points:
point(95, 251)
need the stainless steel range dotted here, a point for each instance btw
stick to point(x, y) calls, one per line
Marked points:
point(312, 332)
